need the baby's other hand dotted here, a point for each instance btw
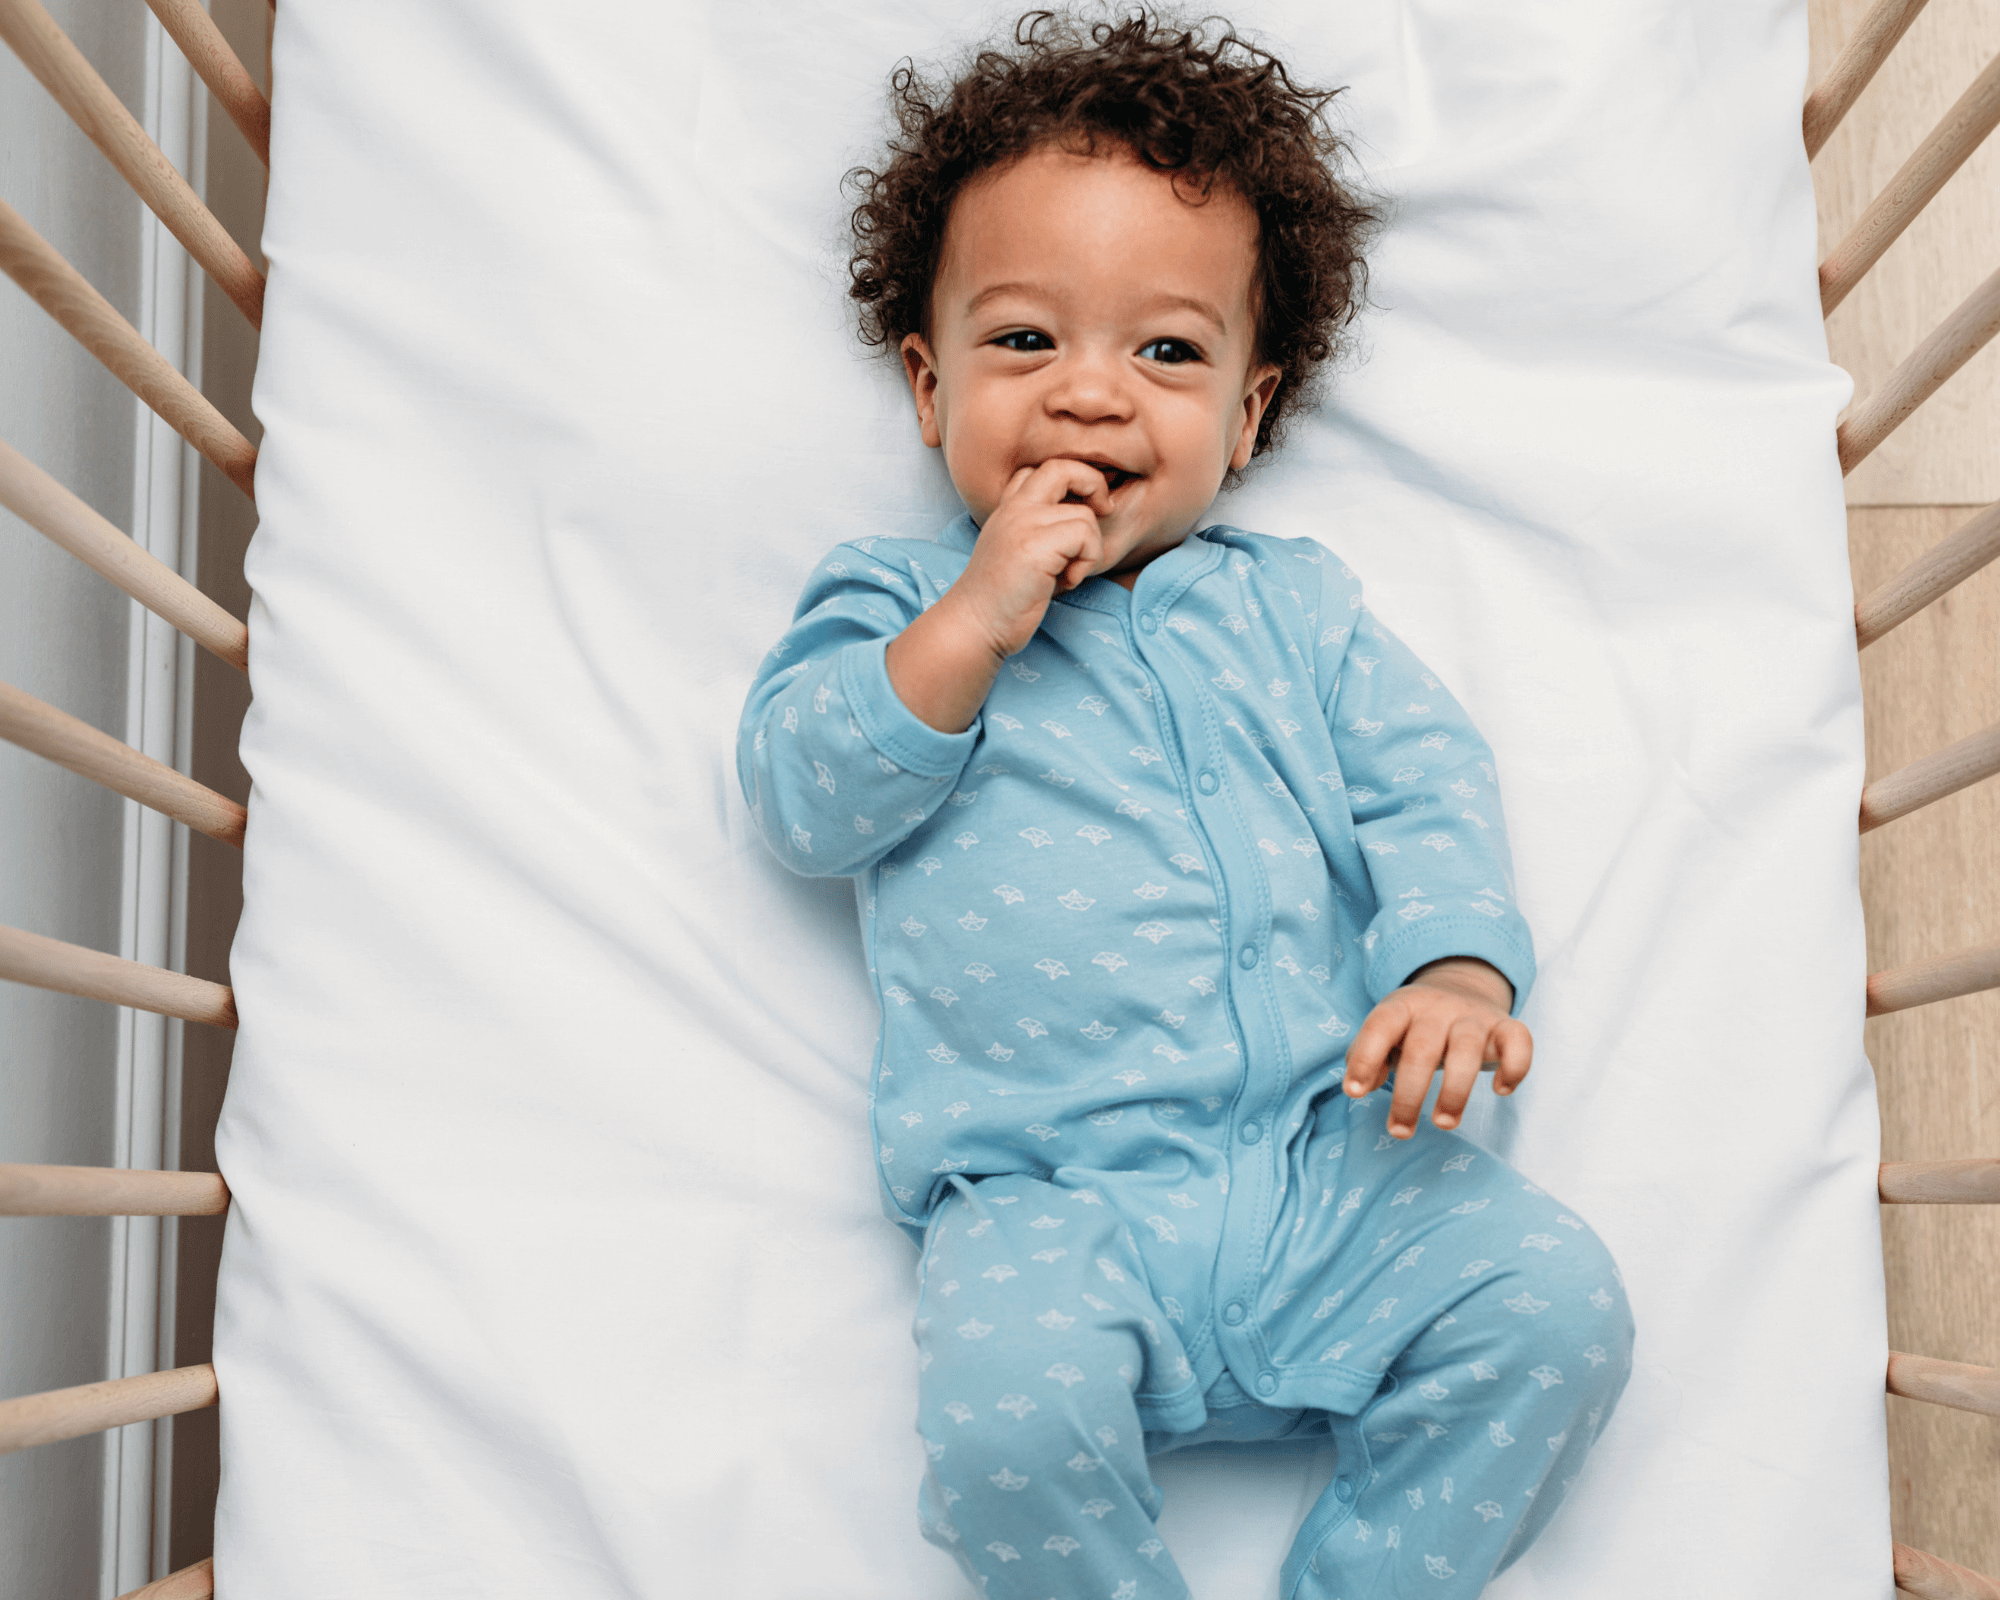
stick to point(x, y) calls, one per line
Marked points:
point(1452, 1013)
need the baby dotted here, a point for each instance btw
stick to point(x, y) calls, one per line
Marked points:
point(1165, 849)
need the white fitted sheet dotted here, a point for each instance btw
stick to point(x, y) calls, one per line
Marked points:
point(555, 1266)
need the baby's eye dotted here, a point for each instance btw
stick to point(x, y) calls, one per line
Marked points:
point(1170, 352)
point(1025, 340)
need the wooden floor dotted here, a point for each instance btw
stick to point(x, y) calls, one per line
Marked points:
point(1930, 883)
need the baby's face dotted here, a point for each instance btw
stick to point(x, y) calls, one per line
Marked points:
point(1083, 308)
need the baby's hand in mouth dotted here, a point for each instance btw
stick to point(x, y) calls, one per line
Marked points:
point(1115, 476)
point(1043, 539)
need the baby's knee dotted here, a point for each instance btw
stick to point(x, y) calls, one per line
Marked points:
point(1564, 1307)
point(1591, 1291)
point(964, 1366)
point(1046, 1430)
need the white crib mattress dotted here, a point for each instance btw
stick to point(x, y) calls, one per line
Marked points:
point(555, 1266)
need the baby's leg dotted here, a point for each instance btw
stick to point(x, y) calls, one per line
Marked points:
point(1504, 1330)
point(1040, 1344)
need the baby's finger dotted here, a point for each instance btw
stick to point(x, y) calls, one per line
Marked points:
point(1422, 1048)
point(1086, 547)
point(1080, 567)
point(1368, 1056)
point(1463, 1055)
point(1516, 1049)
point(1061, 478)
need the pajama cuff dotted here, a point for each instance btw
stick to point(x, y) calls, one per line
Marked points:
point(895, 730)
point(1399, 954)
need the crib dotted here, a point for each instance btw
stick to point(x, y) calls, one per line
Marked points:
point(1928, 1248)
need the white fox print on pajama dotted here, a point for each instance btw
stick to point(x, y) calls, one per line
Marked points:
point(1122, 928)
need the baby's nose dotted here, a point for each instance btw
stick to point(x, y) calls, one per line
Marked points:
point(1088, 388)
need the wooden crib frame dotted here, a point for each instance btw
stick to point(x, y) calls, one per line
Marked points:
point(26, 957)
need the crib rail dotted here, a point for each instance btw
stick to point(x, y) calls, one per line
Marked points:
point(58, 1414)
point(46, 51)
point(71, 742)
point(219, 67)
point(89, 318)
point(1940, 1183)
point(46, 506)
point(1929, 1577)
point(39, 1191)
point(190, 1583)
point(48, 963)
point(1954, 342)
point(1922, 983)
point(1945, 1383)
point(1944, 772)
point(1963, 129)
point(1880, 32)
point(1930, 577)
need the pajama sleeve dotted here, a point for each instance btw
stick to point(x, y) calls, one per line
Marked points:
point(1425, 801)
point(837, 770)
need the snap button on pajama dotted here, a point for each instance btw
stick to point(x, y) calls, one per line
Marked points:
point(1122, 928)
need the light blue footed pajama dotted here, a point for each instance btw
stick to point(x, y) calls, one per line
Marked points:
point(1480, 1328)
point(1122, 929)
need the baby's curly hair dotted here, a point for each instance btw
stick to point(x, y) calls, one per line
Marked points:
point(1218, 110)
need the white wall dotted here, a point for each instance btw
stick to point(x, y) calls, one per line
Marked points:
point(81, 1082)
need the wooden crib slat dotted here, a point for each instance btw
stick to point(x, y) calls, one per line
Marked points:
point(1955, 767)
point(1975, 1182)
point(190, 1583)
point(59, 1414)
point(45, 505)
point(41, 1191)
point(1930, 1577)
point(1940, 978)
point(1945, 1383)
point(91, 753)
point(1937, 571)
point(47, 52)
point(220, 68)
point(1944, 150)
point(61, 291)
point(1953, 343)
point(72, 969)
point(1884, 25)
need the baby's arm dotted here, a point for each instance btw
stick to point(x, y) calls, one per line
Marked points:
point(836, 770)
point(1037, 543)
point(1448, 955)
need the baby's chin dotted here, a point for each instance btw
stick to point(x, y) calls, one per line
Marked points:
point(1148, 544)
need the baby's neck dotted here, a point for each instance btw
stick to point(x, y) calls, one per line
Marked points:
point(1129, 576)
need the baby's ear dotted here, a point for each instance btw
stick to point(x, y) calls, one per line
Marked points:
point(920, 367)
point(1259, 386)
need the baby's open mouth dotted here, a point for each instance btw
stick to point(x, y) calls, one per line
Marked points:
point(1115, 477)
